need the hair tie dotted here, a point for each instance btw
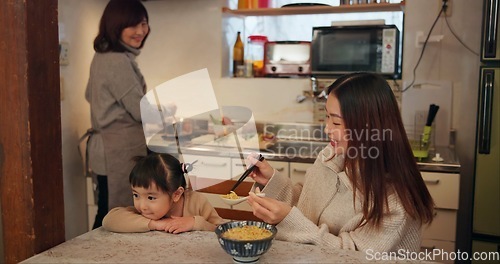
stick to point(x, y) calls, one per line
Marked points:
point(187, 167)
point(183, 168)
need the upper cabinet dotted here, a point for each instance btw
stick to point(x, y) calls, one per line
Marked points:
point(320, 9)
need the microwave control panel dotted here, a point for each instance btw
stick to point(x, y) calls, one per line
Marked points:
point(389, 49)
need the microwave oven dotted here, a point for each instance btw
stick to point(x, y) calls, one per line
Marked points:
point(339, 50)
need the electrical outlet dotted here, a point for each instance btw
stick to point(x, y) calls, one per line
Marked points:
point(447, 11)
point(63, 54)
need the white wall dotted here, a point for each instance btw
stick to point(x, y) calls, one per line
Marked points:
point(187, 36)
point(78, 21)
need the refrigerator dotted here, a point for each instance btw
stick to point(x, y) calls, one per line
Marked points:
point(486, 195)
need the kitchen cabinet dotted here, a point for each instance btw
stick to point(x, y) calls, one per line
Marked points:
point(208, 170)
point(441, 233)
point(281, 167)
point(298, 171)
point(238, 166)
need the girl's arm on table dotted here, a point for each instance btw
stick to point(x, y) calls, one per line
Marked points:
point(125, 220)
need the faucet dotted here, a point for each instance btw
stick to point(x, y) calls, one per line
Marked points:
point(314, 93)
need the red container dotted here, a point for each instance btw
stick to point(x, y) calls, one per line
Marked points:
point(263, 3)
point(256, 53)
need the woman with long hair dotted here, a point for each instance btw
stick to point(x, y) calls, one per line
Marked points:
point(364, 191)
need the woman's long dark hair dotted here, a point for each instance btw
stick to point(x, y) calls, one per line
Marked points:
point(162, 169)
point(373, 123)
point(118, 15)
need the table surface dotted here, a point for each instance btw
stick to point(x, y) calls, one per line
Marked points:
point(101, 246)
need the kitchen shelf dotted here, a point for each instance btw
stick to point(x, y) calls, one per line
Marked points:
point(308, 10)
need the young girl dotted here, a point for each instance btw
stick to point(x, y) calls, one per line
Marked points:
point(362, 192)
point(161, 200)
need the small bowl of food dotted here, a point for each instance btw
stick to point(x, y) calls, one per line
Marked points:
point(233, 199)
point(247, 240)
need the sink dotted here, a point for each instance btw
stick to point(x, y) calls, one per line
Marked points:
point(294, 131)
point(296, 149)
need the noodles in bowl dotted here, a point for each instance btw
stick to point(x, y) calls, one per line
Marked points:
point(246, 241)
point(248, 232)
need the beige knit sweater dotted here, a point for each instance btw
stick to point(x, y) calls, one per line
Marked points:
point(324, 212)
point(129, 220)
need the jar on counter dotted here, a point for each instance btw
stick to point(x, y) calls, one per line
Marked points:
point(255, 54)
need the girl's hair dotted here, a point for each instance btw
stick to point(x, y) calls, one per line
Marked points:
point(160, 168)
point(373, 122)
point(118, 15)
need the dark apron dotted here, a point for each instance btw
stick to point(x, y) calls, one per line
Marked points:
point(123, 140)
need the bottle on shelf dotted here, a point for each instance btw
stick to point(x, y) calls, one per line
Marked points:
point(244, 4)
point(238, 57)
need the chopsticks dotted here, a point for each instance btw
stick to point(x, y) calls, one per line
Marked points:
point(246, 173)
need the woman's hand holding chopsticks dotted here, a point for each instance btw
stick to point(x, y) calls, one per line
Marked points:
point(262, 172)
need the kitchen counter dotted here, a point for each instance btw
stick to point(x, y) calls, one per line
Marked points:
point(302, 151)
point(449, 162)
point(101, 246)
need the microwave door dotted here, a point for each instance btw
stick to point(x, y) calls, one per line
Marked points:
point(340, 50)
point(346, 51)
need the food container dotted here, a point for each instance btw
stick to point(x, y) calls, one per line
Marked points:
point(255, 54)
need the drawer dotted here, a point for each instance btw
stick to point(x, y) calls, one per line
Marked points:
point(444, 188)
point(208, 170)
point(280, 166)
point(445, 246)
point(237, 169)
point(443, 227)
point(298, 171)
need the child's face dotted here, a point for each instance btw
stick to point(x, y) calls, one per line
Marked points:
point(152, 203)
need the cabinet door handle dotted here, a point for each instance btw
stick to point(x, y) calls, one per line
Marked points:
point(485, 111)
point(490, 37)
point(280, 169)
point(431, 181)
point(299, 171)
point(214, 164)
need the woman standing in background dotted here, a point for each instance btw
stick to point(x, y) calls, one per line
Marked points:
point(114, 91)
